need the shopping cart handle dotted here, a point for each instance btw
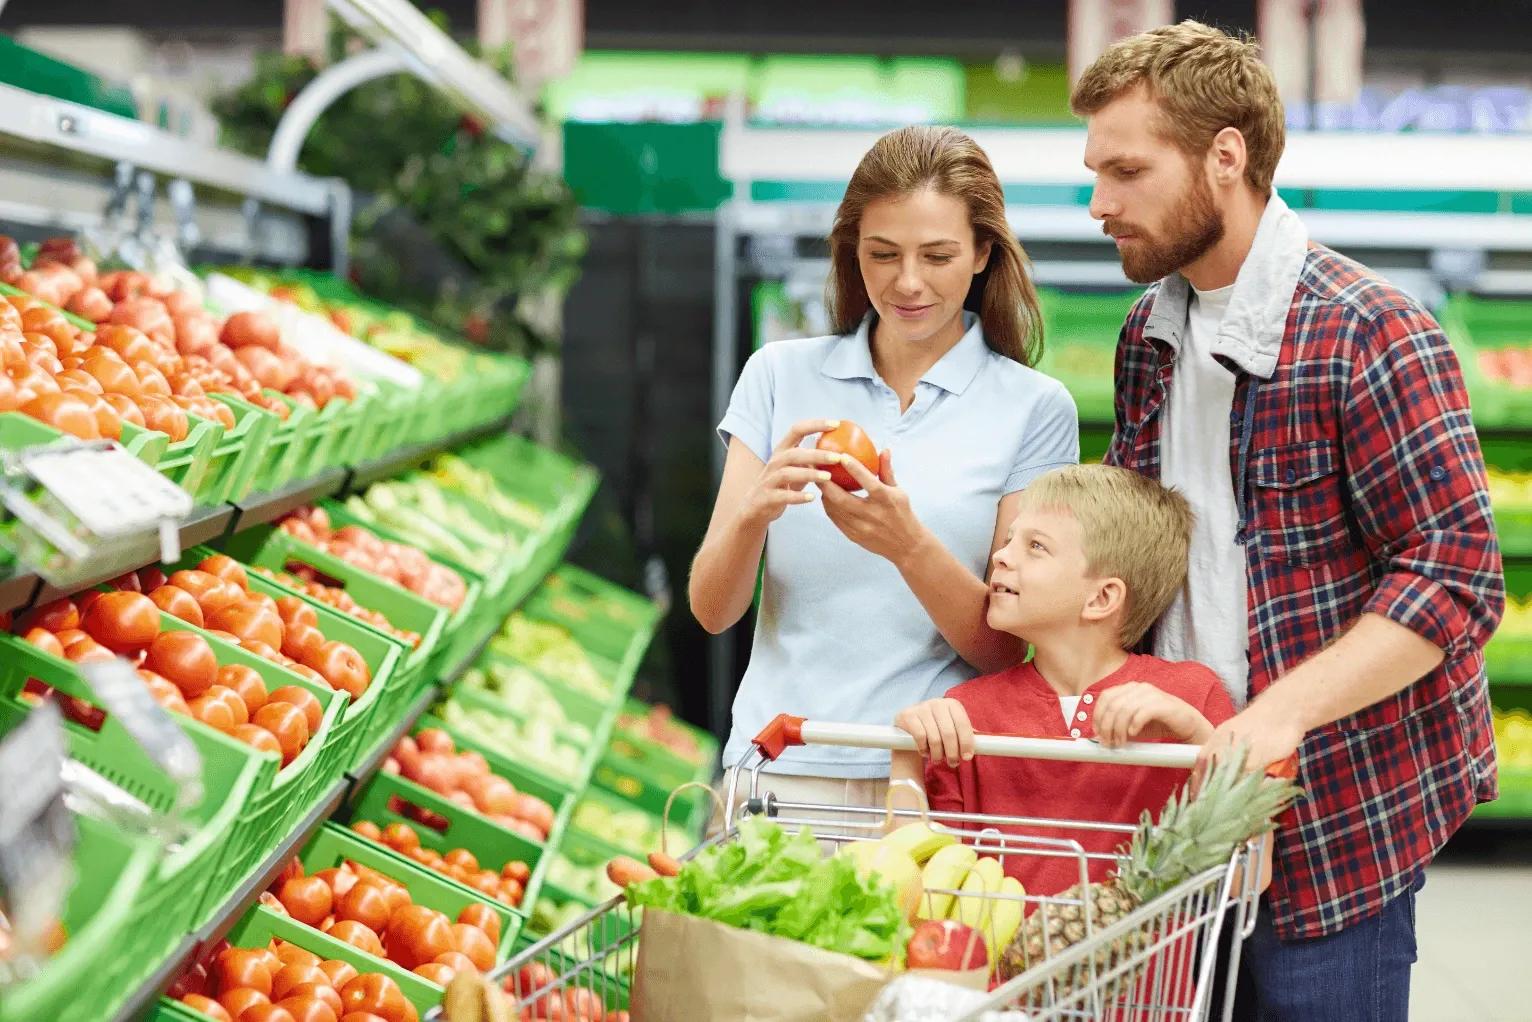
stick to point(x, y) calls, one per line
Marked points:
point(787, 731)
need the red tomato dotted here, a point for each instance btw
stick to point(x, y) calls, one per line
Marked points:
point(358, 935)
point(375, 993)
point(310, 1006)
point(209, 1007)
point(45, 641)
point(266, 1013)
point(256, 737)
point(186, 659)
point(366, 904)
point(307, 899)
point(226, 568)
point(123, 622)
point(849, 439)
point(303, 642)
point(178, 603)
point(296, 975)
point(237, 1000)
point(242, 967)
point(286, 722)
point(339, 973)
point(482, 917)
point(343, 667)
point(57, 616)
point(473, 943)
point(247, 683)
point(250, 623)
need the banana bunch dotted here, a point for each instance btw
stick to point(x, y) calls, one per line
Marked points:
point(959, 884)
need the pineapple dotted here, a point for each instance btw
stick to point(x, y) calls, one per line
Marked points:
point(1194, 833)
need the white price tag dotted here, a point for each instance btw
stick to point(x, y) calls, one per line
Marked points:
point(111, 492)
point(124, 695)
point(36, 831)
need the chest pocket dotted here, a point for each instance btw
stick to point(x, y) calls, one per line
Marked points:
point(1300, 502)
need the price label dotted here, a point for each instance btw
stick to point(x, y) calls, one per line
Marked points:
point(112, 493)
point(36, 831)
point(124, 695)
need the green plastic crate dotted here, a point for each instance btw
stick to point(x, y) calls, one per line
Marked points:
point(577, 706)
point(270, 811)
point(1477, 326)
point(272, 548)
point(688, 834)
point(526, 777)
point(645, 772)
point(279, 547)
point(191, 872)
point(285, 449)
point(387, 797)
point(334, 844)
point(1080, 332)
point(381, 654)
point(89, 976)
point(584, 762)
point(260, 925)
point(235, 461)
point(185, 462)
point(464, 627)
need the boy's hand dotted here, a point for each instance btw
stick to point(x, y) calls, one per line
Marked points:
point(1139, 711)
point(941, 730)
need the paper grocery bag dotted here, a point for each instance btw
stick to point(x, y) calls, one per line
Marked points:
point(968, 979)
point(690, 969)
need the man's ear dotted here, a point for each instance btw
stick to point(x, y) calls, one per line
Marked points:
point(1229, 156)
point(1110, 596)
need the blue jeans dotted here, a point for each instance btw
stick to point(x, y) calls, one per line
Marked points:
point(1361, 974)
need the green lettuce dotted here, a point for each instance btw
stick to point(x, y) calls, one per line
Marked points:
point(775, 883)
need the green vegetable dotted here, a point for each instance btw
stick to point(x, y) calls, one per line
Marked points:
point(550, 649)
point(782, 885)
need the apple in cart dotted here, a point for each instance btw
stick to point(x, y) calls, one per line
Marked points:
point(946, 944)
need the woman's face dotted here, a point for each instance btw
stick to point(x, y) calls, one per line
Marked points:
point(918, 259)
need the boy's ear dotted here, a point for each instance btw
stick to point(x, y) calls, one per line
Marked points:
point(1111, 596)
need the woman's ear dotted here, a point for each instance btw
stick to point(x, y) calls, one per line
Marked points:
point(1111, 596)
point(981, 257)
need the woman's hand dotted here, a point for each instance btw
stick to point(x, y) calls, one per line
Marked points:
point(783, 479)
point(881, 522)
point(1139, 711)
point(941, 730)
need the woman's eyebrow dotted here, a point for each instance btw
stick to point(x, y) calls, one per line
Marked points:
point(928, 244)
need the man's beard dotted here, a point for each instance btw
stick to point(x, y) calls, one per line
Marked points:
point(1197, 227)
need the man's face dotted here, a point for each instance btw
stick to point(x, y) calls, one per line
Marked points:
point(1152, 198)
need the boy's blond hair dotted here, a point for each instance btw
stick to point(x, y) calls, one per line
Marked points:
point(1204, 81)
point(1131, 527)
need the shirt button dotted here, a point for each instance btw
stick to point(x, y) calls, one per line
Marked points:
point(1087, 699)
point(1080, 716)
point(1292, 476)
point(1438, 473)
point(1074, 732)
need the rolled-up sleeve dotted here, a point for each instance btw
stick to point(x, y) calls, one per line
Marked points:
point(1416, 479)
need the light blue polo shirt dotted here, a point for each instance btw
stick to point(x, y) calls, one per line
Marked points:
point(839, 636)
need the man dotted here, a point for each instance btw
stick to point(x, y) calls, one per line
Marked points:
point(1344, 571)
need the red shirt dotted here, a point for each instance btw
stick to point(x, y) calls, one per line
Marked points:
point(1019, 702)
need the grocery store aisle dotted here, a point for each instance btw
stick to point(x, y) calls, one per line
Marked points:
point(1474, 925)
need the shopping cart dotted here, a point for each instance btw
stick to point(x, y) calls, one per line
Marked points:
point(1162, 961)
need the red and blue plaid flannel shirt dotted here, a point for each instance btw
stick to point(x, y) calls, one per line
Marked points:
point(1361, 489)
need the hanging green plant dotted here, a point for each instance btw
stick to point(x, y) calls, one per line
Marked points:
point(452, 223)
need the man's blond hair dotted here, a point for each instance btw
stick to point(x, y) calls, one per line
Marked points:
point(1132, 528)
point(1204, 81)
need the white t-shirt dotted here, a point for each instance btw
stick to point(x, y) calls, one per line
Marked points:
point(1207, 620)
point(1069, 704)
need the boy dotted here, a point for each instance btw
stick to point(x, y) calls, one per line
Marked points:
point(1094, 556)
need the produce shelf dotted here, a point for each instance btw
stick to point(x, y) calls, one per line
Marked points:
point(261, 508)
point(210, 524)
point(230, 912)
point(205, 525)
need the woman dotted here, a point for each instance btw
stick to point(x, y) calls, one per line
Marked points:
point(856, 631)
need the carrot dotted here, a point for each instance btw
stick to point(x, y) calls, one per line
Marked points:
point(623, 871)
point(664, 865)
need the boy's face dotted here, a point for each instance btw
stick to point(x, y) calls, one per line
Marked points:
point(1039, 580)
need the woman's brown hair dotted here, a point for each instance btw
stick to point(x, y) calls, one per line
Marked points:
point(950, 163)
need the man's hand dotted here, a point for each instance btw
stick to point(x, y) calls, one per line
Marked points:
point(1139, 711)
point(1269, 733)
point(941, 730)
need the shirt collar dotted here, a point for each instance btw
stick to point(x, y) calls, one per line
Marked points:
point(1251, 333)
point(851, 357)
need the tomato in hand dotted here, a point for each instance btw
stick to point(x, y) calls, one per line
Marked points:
point(848, 438)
